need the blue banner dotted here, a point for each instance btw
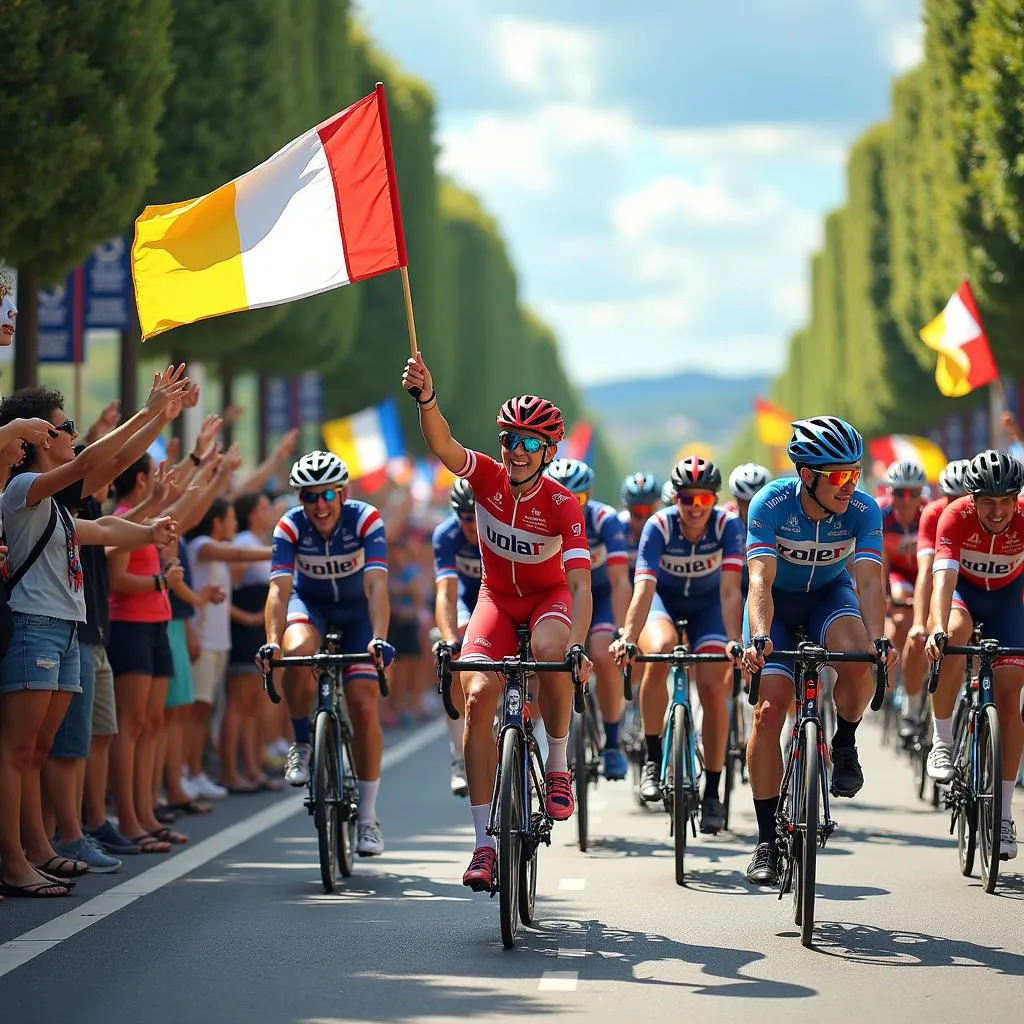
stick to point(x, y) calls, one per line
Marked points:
point(278, 400)
point(311, 398)
point(108, 286)
point(61, 330)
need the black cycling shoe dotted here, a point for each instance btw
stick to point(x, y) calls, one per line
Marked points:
point(650, 783)
point(763, 868)
point(712, 815)
point(847, 777)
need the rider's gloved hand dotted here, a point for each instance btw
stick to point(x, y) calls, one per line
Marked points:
point(387, 651)
point(264, 656)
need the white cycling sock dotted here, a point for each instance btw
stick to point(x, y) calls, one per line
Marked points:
point(481, 812)
point(368, 800)
point(456, 728)
point(942, 731)
point(556, 761)
point(1008, 787)
point(913, 705)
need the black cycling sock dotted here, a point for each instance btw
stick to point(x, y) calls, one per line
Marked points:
point(711, 783)
point(300, 726)
point(653, 748)
point(611, 735)
point(846, 732)
point(765, 811)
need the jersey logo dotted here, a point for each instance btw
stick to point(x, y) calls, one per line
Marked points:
point(497, 498)
point(329, 567)
point(481, 641)
point(558, 497)
point(576, 529)
point(792, 523)
point(514, 543)
point(692, 566)
point(468, 566)
point(975, 538)
point(534, 519)
point(809, 552)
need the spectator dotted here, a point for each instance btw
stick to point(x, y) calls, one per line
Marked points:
point(406, 594)
point(8, 310)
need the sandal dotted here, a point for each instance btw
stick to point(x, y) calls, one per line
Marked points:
point(62, 871)
point(167, 835)
point(164, 814)
point(148, 843)
point(191, 807)
point(35, 890)
point(68, 883)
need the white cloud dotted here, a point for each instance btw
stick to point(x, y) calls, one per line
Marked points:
point(546, 58)
point(731, 143)
point(902, 29)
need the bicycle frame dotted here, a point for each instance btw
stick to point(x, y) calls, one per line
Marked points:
point(680, 696)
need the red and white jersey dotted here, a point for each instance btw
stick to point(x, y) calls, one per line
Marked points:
point(928, 527)
point(528, 541)
point(987, 560)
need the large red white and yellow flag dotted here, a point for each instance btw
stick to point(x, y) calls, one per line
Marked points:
point(965, 357)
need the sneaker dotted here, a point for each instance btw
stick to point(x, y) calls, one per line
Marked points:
point(763, 868)
point(560, 803)
point(460, 787)
point(847, 777)
point(111, 840)
point(189, 788)
point(296, 769)
point(1007, 840)
point(650, 783)
point(87, 849)
point(480, 874)
point(712, 815)
point(206, 788)
point(370, 839)
point(615, 764)
point(940, 762)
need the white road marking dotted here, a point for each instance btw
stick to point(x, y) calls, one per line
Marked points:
point(572, 884)
point(30, 945)
point(558, 981)
point(570, 952)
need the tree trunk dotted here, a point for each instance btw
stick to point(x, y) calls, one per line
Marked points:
point(26, 349)
point(131, 340)
point(227, 398)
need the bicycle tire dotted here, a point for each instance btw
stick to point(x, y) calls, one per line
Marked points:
point(680, 788)
point(510, 822)
point(325, 798)
point(348, 809)
point(732, 766)
point(967, 809)
point(580, 776)
point(990, 805)
point(809, 865)
point(528, 865)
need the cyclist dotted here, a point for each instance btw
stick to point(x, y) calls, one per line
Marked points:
point(536, 569)
point(329, 569)
point(457, 570)
point(800, 533)
point(744, 482)
point(951, 484)
point(640, 493)
point(688, 568)
point(979, 577)
point(609, 585)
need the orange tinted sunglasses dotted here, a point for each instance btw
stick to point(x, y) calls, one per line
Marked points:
point(582, 498)
point(841, 477)
point(700, 500)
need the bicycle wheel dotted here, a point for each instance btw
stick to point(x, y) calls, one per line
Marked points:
point(581, 775)
point(809, 851)
point(966, 810)
point(528, 864)
point(681, 782)
point(732, 766)
point(510, 823)
point(990, 796)
point(325, 798)
point(348, 809)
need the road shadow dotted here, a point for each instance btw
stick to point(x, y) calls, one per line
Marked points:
point(854, 834)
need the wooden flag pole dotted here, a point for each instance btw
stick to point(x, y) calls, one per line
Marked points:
point(409, 318)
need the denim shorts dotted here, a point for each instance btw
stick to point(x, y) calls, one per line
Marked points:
point(74, 736)
point(43, 655)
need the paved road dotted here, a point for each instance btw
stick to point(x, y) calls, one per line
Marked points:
point(236, 927)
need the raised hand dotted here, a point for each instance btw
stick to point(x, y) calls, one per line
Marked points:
point(174, 573)
point(286, 445)
point(207, 435)
point(164, 530)
point(35, 431)
point(190, 399)
point(168, 388)
point(416, 375)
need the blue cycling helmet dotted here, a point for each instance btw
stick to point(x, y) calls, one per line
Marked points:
point(572, 474)
point(825, 441)
point(640, 489)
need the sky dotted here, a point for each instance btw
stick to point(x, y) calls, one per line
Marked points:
point(660, 169)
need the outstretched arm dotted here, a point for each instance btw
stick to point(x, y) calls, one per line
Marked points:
point(433, 425)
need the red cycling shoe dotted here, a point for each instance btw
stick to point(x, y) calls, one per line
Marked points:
point(560, 803)
point(482, 868)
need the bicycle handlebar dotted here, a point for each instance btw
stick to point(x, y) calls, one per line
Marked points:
point(323, 660)
point(678, 656)
point(986, 651)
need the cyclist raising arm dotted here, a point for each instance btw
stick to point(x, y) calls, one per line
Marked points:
point(536, 569)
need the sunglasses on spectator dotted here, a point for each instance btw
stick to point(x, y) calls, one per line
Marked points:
point(68, 426)
point(312, 497)
point(906, 492)
point(510, 441)
point(840, 477)
point(700, 500)
point(641, 511)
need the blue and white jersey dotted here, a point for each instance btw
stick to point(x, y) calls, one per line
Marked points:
point(810, 554)
point(685, 568)
point(632, 546)
point(455, 557)
point(329, 570)
point(607, 544)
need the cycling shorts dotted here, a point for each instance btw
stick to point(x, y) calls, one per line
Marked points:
point(705, 628)
point(1000, 612)
point(900, 587)
point(814, 610)
point(602, 620)
point(491, 633)
point(353, 623)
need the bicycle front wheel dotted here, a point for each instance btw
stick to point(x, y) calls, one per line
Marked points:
point(581, 776)
point(528, 861)
point(809, 845)
point(325, 797)
point(681, 782)
point(510, 841)
point(990, 796)
point(734, 754)
point(348, 809)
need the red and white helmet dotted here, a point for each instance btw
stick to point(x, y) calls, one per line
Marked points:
point(528, 412)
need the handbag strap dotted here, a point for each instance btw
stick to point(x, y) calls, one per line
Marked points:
point(44, 538)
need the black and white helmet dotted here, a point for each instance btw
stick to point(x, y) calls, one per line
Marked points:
point(952, 480)
point(994, 473)
point(316, 468)
point(461, 498)
point(746, 480)
point(905, 474)
point(572, 474)
point(693, 471)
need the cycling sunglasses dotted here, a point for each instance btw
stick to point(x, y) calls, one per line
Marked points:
point(510, 441)
point(582, 498)
point(68, 426)
point(700, 500)
point(641, 511)
point(840, 477)
point(311, 497)
point(906, 492)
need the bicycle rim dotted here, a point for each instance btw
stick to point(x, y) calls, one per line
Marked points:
point(990, 796)
point(325, 799)
point(732, 762)
point(581, 773)
point(808, 872)
point(528, 864)
point(348, 810)
point(510, 811)
point(680, 789)
point(967, 808)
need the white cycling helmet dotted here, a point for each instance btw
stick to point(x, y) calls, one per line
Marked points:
point(905, 474)
point(746, 480)
point(317, 468)
point(668, 493)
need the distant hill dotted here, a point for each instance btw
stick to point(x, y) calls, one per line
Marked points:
point(647, 420)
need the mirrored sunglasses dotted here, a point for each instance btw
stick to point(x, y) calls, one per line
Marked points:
point(510, 441)
point(311, 497)
point(700, 500)
point(840, 477)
